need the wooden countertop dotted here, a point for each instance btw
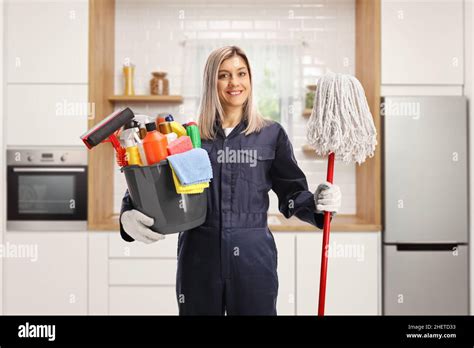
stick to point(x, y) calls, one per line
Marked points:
point(278, 223)
point(340, 223)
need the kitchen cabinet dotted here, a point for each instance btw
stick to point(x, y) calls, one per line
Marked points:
point(143, 300)
point(46, 115)
point(142, 271)
point(286, 300)
point(417, 47)
point(98, 268)
point(46, 41)
point(353, 280)
point(163, 249)
point(142, 277)
point(49, 276)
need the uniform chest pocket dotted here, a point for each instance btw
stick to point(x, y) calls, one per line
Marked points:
point(209, 147)
point(256, 167)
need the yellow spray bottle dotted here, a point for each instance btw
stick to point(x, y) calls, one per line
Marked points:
point(129, 139)
point(176, 127)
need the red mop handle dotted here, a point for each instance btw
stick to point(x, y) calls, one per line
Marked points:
point(324, 255)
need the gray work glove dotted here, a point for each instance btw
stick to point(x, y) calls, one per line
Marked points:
point(136, 225)
point(327, 198)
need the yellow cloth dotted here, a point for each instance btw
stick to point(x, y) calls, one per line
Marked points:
point(194, 188)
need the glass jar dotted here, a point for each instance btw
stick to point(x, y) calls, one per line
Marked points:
point(159, 84)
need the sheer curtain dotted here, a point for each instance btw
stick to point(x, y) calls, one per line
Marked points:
point(275, 70)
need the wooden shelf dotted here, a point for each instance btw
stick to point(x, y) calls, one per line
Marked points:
point(147, 98)
point(307, 112)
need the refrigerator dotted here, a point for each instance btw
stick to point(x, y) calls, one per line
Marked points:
point(425, 206)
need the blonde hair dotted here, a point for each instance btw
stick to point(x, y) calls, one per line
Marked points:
point(211, 107)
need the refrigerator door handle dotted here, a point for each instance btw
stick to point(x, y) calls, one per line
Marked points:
point(427, 247)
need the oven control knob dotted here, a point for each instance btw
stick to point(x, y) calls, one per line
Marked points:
point(63, 158)
point(29, 158)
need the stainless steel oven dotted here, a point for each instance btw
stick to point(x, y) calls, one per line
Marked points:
point(47, 189)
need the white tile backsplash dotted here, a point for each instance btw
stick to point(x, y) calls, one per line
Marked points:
point(155, 34)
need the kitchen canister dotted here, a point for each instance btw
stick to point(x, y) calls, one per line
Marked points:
point(159, 84)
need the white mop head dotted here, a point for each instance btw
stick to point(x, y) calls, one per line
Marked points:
point(341, 121)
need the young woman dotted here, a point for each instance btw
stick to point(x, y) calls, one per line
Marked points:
point(229, 264)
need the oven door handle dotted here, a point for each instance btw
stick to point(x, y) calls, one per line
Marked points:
point(56, 170)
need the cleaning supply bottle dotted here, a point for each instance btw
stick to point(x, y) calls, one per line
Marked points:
point(130, 140)
point(142, 121)
point(162, 117)
point(154, 144)
point(176, 127)
point(193, 132)
point(165, 128)
point(133, 154)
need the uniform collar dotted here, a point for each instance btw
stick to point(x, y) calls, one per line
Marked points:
point(219, 131)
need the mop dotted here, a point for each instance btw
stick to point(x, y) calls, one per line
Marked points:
point(341, 127)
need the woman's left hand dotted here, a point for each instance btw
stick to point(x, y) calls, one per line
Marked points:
point(327, 198)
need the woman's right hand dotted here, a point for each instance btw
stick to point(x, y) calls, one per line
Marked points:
point(136, 225)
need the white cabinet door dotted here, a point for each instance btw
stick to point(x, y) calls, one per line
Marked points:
point(166, 248)
point(286, 302)
point(45, 273)
point(353, 281)
point(46, 41)
point(142, 272)
point(46, 115)
point(422, 42)
point(143, 300)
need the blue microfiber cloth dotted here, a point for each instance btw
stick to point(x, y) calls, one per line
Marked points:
point(192, 166)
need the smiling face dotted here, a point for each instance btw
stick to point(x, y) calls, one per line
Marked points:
point(233, 82)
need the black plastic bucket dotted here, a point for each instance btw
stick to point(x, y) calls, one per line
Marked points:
point(154, 194)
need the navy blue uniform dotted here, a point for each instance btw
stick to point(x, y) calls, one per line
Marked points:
point(229, 264)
